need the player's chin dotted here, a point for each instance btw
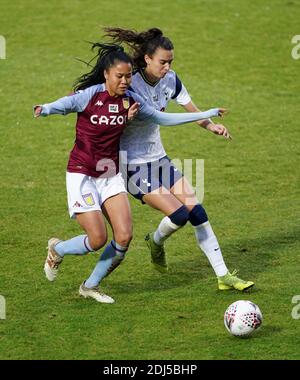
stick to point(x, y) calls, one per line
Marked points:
point(122, 90)
point(162, 75)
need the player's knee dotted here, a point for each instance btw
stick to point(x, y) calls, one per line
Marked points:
point(180, 216)
point(123, 238)
point(97, 240)
point(198, 215)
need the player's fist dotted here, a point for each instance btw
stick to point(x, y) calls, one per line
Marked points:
point(222, 111)
point(219, 129)
point(37, 111)
point(133, 110)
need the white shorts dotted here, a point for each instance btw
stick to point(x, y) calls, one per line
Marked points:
point(87, 193)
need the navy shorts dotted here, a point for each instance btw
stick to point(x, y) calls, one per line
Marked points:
point(144, 178)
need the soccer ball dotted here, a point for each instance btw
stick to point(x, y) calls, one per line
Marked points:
point(241, 318)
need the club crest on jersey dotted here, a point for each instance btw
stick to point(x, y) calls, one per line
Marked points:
point(88, 198)
point(113, 108)
point(126, 103)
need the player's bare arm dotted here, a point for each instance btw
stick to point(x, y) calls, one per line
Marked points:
point(218, 129)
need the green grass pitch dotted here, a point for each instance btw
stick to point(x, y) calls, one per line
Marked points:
point(235, 54)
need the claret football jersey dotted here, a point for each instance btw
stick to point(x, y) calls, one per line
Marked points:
point(100, 122)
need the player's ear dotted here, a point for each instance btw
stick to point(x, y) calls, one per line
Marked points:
point(105, 74)
point(147, 59)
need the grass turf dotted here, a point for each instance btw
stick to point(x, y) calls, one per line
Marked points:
point(234, 54)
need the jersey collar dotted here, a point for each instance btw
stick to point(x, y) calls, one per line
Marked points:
point(143, 75)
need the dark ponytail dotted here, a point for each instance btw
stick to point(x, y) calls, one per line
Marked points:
point(107, 56)
point(140, 43)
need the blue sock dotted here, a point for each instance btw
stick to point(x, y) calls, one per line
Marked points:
point(78, 245)
point(109, 260)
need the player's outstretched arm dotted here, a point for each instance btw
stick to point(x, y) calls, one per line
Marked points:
point(170, 119)
point(146, 112)
point(73, 103)
point(62, 106)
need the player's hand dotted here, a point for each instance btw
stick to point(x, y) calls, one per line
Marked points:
point(219, 129)
point(222, 111)
point(37, 111)
point(133, 110)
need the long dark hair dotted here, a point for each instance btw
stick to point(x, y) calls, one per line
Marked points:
point(140, 43)
point(107, 56)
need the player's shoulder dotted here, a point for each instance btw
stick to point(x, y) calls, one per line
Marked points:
point(136, 73)
point(141, 84)
point(94, 89)
point(137, 78)
point(132, 94)
point(172, 78)
point(171, 75)
point(84, 97)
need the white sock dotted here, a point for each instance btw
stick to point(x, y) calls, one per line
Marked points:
point(208, 242)
point(165, 229)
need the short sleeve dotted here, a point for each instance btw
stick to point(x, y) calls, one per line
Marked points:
point(181, 96)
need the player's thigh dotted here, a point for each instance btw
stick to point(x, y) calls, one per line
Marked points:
point(184, 193)
point(94, 225)
point(118, 212)
point(163, 200)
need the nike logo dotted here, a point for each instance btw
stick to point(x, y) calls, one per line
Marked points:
point(216, 249)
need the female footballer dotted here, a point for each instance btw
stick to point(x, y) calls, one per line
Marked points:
point(166, 189)
point(94, 184)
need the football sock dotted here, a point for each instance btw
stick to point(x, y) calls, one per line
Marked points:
point(165, 229)
point(170, 224)
point(110, 259)
point(78, 245)
point(208, 242)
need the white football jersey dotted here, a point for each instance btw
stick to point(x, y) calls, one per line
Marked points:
point(141, 139)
